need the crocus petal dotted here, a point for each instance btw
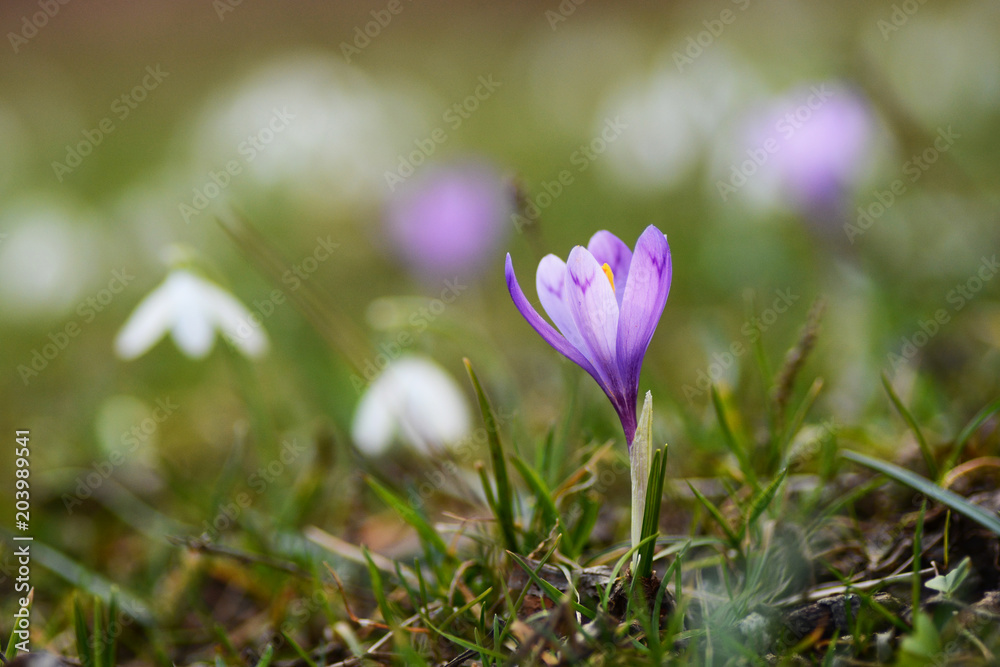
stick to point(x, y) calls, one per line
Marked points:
point(642, 305)
point(234, 321)
point(148, 323)
point(544, 329)
point(595, 311)
point(550, 281)
point(611, 250)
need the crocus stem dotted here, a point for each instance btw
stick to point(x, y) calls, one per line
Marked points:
point(640, 454)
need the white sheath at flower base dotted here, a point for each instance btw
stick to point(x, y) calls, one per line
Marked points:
point(639, 457)
point(191, 308)
point(415, 400)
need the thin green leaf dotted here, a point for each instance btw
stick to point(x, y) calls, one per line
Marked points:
point(969, 429)
point(730, 439)
point(606, 594)
point(918, 549)
point(651, 513)
point(464, 643)
point(266, 656)
point(929, 489)
point(84, 649)
point(734, 540)
point(112, 630)
point(98, 636)
point(551, 591)
point(580, 533)
point(411, 516)
point(505, 497)
point(378, 589)
point(465, 607)
point(764, 498)
point(11, 651)
point(543, 497)
point(925, 449)
point(298, 649)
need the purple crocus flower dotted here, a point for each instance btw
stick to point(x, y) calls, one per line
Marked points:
point(448, 220)
point(606, 302)
point(823, 145)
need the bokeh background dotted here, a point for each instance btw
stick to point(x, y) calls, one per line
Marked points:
point(847, 151)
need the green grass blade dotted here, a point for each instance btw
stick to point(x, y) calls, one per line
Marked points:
point(929, 489)
point(84, 649)
point(11, 651)
point(764, 498)
point(970, 428)
point(266, 656)
point(651, 513)
point(543, 497)
point(378, 589)
point(730, 439)
point(464, 643)
point(298, 649)
point(626, 557)
point(505, 497)
point(554, 593)
point(918, 548)
point(411, 516)
point(580, 533)
point(98, 635)
point(925, 449)
point(733, 538)
point(112, 630)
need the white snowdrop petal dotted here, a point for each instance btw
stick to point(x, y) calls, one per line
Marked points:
point(233, 319)
point(192, 328)
point(429, 405)
point(147, 324)
point(373, 424)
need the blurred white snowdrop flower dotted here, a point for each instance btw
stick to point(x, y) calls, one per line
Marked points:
point(670, 117)
point(415, 400)
point(310, 125)
point(191, 308)
point(48, 258)
point(955, 54)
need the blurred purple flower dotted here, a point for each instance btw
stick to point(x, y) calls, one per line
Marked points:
point(824, 143)
point(606, 302)
point(449, 220)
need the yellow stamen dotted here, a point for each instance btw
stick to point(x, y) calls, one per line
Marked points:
point(611, 276)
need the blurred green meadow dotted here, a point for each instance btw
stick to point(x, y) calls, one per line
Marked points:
point(271, 147)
